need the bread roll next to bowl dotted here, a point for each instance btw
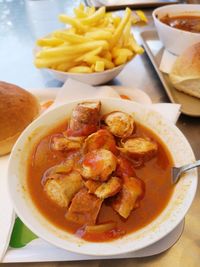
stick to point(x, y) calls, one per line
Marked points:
point(18, 108)
point(185, 73)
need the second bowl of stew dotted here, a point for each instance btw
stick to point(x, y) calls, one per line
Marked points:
point(178, 26)
point(94, 177)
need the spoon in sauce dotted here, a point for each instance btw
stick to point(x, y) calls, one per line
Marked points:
point(177, 171)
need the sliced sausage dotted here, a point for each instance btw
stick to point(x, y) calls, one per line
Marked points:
point(84, 119)
point(139, 147)
point(98, 165)
point(101, 139)
point(119, 123)
point(109, 188)
point(84, 208)
point(127, 199)
point(66, 143)
point(62, 189)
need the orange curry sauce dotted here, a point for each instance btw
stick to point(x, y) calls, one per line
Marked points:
point(155, 173)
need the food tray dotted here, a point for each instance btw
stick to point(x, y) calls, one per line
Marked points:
point(27, 247)
point(154, 48)
point(131, 3)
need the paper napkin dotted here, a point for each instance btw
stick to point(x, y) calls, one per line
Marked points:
point(74, 90)
point(167, 61)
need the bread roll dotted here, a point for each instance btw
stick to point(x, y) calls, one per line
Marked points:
point(17, 109)
point(185, 73)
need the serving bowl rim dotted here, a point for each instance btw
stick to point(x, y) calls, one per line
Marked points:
point(111, 248)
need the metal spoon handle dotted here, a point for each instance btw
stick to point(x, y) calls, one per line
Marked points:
point(177, 171)
point(190, 166)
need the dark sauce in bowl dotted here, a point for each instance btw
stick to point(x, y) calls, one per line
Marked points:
point(185, 22)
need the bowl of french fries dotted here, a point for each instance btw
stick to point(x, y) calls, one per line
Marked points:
point(93, 48)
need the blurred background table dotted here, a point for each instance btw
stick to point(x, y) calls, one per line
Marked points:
point(21, 22)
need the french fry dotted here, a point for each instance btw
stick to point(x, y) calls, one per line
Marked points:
point(135, 19)
point(120, 59)
point(107, 55)
point(104, 23)
point(80, 69)
point(122, 51)
point(120, 28)
point(81, 6)
point(49, 42)
point(70, 30)
point(79, 11)
point(116, 21)
point(107, 29)
point(93, 42)
point(64, 66)
point(99, 35)
point(71, 37)
point(127, 32)
point(74, 22)
point(99, 66)
point(94, 52)
point(142, 16)
point(92, 67)
point(70, 49)
point(133, 45)
point(95, 17)
point(48, 62)
point(90, 10)
point(93, 59)
point(139, 17)
point(109, 16)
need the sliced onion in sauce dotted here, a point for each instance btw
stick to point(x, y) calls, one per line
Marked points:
point(101, 228)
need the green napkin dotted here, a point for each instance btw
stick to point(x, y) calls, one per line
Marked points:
point(21, 235)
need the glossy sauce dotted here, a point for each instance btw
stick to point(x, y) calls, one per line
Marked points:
point(155, 174)
point(185, 23)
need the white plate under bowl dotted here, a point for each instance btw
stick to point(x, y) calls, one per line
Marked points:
point(39, 250)
point(171, 216)
point(133, 94)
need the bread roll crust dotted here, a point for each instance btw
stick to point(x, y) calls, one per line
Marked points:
point(17, 109)
point(185, 73)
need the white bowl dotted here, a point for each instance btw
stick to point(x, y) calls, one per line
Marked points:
point(175, 40)
point(95, 78)
point(171, 216)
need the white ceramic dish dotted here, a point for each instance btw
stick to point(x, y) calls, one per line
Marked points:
point(175, 40)
point(95, 78)
point(172, 215)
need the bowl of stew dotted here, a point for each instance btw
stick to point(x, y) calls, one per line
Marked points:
point(94, 176)
point(178, 26)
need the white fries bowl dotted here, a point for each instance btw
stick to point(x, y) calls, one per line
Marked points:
point(95, 78)
point(93, 48)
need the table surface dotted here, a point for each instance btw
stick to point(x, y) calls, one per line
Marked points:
point(21, 22)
